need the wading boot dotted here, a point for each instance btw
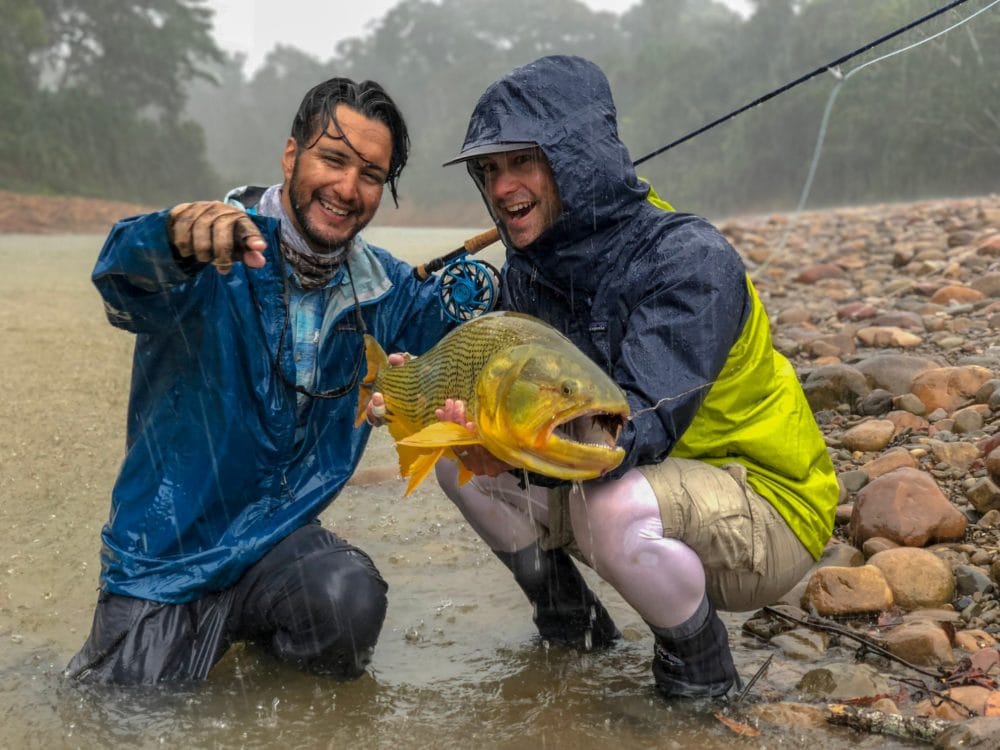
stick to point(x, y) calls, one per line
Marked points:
point(695, 664)
point(567, 612)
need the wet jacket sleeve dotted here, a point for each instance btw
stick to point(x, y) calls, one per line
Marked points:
point(676, 340)
point(145, 285)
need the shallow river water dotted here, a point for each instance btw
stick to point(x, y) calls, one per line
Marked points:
point(458, 664)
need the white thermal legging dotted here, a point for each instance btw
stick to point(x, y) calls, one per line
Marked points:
point(617, 528)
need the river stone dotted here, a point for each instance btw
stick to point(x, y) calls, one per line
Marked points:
point(834, 590)
point(831, 385)
point(921, 642)
point(877, 544)
point(973, 640)
point(984, 495)
point(888, 336)
point(906, 506)
point(971, 697)
point(949, 388)
point(857, 311)
point(801, 644)
point(854, 480)
point(969, 580)
point(993, 463)
point(876, 403)
point(890, 460)
point(870, 435)
point(969, 419)
point(894, 372)
point(788, 714)
point(843, 682)
point(958, 293)
point(900, 319)
point(820, 271)
point(840, 555)
point(977, 733)
point(917, 577)
point(907, 402)
point(957, 455)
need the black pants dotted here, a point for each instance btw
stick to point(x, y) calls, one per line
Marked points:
point(314, 601)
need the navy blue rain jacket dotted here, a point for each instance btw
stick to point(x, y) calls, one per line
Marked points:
point(212, 478)
point(656, 298)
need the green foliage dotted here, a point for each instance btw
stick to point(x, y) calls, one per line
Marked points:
point(101, 97)
point(92, 91)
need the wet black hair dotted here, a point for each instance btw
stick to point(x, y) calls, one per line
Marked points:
point(318, 110)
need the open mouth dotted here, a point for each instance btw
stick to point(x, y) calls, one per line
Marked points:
point(341, 212)
point(598, 430)
point(519, 210)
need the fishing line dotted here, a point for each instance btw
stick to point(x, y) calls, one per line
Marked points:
point(675, 397)
point(491, 236)
point(821, 136)
point(824, 122)
point(802, 79)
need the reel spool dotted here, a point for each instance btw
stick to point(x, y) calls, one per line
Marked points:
point(468, 289)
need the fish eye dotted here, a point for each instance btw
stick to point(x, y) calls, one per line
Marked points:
point(569, 387)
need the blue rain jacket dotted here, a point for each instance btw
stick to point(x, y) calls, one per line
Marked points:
point(212, 478)
point(657, 298)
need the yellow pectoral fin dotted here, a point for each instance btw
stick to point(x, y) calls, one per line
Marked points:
point(441, 435)
point(464, 475)
point(420, 467)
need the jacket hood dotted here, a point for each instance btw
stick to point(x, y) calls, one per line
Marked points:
point(564, 105)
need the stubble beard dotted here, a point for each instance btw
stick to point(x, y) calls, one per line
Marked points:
point(319, 244)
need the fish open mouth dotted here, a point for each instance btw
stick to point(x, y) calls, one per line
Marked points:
point(597, 429)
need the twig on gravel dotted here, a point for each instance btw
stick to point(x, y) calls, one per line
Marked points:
point(818, 623)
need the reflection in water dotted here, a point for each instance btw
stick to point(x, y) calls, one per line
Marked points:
point(507, 698)
point(512, 697)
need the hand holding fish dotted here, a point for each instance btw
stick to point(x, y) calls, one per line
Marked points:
point(522, 396)
point(217, 233)
point(375, 411)
point(475, 458)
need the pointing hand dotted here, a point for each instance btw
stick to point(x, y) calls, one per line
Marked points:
point(217, 233)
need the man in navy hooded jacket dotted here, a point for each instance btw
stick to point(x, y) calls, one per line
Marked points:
point(726, 494)
point(249, 316)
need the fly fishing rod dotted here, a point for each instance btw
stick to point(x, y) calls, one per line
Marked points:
point(469, 287)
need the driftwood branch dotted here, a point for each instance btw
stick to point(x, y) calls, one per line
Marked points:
point(821, 624)
point(879, 722)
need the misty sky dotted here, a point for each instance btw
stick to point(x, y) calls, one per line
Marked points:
point(255, 26)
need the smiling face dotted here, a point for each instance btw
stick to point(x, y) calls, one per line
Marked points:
point(334, 186)
point(522, 191)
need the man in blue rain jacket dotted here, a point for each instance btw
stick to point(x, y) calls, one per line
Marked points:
point(249, 316)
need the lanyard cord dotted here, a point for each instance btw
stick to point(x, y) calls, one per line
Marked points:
point(276, 362)
point(829, 67)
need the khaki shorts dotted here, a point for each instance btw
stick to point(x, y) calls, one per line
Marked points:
point(751, 556)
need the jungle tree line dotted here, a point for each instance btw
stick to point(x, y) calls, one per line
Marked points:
point(133, 100)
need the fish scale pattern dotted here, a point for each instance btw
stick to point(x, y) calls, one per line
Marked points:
point(451, 369)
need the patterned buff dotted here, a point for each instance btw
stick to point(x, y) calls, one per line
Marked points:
point(313, 269)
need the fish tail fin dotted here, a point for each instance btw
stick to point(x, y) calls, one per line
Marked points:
point(418, 465)
point(377, 361)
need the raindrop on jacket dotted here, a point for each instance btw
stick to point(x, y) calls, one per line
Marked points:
point(212, 477)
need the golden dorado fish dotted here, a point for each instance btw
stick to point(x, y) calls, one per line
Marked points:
point(537, 402)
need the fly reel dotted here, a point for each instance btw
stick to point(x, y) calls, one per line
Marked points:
point(469, 288)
